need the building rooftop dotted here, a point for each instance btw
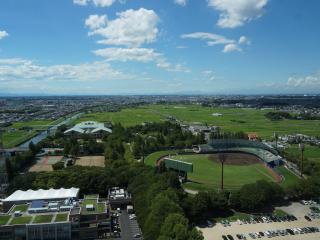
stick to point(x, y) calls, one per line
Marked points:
point(31, 195)
point(89, 127)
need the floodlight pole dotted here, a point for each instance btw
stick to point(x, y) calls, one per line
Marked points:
point(301, 146)
point(222, 158)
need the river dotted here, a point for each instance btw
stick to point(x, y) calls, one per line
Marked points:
point(42, 135)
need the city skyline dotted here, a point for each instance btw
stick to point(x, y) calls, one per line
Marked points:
point(107, 47)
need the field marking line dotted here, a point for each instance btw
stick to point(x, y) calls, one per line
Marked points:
point(268, 176)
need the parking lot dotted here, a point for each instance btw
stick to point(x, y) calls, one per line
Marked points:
point(296, 209)
point(129, 227)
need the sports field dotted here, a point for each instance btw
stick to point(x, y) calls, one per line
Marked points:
point(91, 161)
point(230, 119)
point(239, 169)
point(44, 164)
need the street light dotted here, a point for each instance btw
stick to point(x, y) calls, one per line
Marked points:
point(222, 159)
point(301, 146)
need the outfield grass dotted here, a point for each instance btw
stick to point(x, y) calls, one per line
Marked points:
point(43, 218)
point(4, 219)
point(61, 217)
point(207, 174)
point(21, 220)
point(153, 157)
point(289, 178)
point(233, 119)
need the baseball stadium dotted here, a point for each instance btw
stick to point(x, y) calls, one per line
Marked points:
point(244, 162)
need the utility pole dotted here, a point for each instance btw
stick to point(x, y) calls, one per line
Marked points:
point(222, 158)
point(301, 146)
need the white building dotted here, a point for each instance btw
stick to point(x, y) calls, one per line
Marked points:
point(90, 127)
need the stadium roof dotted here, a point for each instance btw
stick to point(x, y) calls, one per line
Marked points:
point(88, 127)
point(41, 194)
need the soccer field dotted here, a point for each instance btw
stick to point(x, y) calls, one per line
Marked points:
point(231, 119)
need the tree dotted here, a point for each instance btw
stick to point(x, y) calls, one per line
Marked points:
point(160, 208)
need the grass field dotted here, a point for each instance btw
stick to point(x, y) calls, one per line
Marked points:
point(98, 207)
point(207, 173)
point(61, 217)
point(22, 208)
point(232, 119)
point(312, 153)
point(21, 220)
point(42, 219)
point(4, 219)
point(289, 177)
point(14, 135)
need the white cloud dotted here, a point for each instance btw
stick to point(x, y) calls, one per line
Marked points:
point(181, 2)
point(235, 13)
point(181, 47)
point(244, 40)
point(103, 3)
point(97, 3)
point(81, 2)
point(310, 81)
point(129, 54)
point(22, 70)
point(212, 39)
point(145, 55)
point(3, 34)
point(209, 75)
point(231, 48)
point(95, 21)
point(132, 28)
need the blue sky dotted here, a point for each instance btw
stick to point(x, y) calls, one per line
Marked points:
point(159, 47)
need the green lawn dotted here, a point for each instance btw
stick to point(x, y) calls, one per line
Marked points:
point(234, 217)
point(207, 172)
point(312, 153)
point(279, 213)
point(4, 219)
point(20, 220)
point(233, 119)
point(153, 157)
point(289, 177)
point(16, 135)
point(98, 207)
point(61, 217)
point(43, 218)
point(22, 208)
